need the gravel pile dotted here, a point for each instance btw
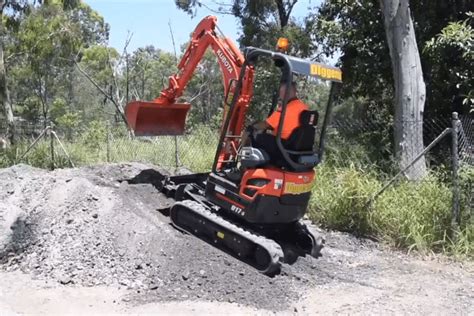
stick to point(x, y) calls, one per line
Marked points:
point(86, 227)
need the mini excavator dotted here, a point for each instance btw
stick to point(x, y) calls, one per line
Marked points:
point(256, 218)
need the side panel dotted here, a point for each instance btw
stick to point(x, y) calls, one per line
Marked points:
point(264, 196)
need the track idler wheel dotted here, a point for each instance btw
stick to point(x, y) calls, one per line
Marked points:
point(308, 241)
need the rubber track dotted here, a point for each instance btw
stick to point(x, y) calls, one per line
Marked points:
point(273, 248)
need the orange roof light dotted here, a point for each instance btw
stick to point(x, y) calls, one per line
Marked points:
point(283, 44)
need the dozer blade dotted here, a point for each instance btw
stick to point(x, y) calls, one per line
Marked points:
point(258, 251)
point(155, 119)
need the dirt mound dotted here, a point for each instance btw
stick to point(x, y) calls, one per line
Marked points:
point(86, 227)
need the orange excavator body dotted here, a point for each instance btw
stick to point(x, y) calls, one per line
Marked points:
point(255, 215)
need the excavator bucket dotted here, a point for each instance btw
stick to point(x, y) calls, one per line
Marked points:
point(155, 119)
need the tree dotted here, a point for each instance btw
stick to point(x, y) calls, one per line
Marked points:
point(410, 91)
point(104, 71)
point(42, 52)
point(354, 30)
point(5, 101)
point(262, 23)
point(149, 69)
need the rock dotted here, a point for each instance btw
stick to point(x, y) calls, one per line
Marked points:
point(95, 215)
point(65, 279)
point(185, 275)
point(125, 282)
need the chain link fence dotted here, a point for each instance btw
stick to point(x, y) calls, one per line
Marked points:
point(364, 144)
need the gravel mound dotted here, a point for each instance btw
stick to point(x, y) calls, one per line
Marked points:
point(86, 227)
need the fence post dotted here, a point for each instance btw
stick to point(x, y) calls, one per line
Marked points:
point(107, 138)
point(51, 138)
point(455, 221)
point(176, 152)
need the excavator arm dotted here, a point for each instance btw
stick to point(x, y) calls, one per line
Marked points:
point(164, 115)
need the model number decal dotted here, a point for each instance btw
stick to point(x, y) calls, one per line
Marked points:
point(295, 188)
point(237, 210)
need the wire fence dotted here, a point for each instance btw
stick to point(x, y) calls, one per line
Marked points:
point(448, 144)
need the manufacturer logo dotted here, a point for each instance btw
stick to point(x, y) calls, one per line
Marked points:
point(224, 61)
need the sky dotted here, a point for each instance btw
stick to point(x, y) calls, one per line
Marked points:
point(148, 20)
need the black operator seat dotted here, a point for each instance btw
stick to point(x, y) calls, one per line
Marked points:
point(299, 146)
point(302, 137)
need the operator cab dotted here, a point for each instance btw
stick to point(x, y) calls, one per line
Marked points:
point(298, 151)
point(299, 145)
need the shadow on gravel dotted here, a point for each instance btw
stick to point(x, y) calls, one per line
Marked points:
point(147, 176)
point(17, 241)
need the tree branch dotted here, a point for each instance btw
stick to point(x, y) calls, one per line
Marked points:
point(109, 96)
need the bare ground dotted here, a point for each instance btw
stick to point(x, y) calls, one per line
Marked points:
point(81, 241)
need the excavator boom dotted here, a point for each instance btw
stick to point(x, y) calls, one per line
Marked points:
point(166, 116)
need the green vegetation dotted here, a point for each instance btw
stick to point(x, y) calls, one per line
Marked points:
point(409, 215)
point(195, 151)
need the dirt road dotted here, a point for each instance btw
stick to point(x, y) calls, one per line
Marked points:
point(82, 241)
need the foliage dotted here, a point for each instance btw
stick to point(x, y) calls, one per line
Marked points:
point(149, 69)
point(354, 30)
point(97, 60)
point(340, 199)
point(41, 54)
point(95, 135)
point(454, 45)
point(413, 216)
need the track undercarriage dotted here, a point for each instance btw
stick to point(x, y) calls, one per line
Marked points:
point(263, 247)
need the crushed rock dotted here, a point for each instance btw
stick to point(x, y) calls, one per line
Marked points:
point(86, 227)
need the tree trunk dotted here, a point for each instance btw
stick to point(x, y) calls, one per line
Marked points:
point(410, 89)
point(5, 102)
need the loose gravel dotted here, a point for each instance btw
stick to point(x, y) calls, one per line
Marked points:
point(87, 227)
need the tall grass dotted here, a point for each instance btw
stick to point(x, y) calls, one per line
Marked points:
point(410, 215)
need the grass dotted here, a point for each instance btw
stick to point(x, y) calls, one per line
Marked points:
point(409, 215)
